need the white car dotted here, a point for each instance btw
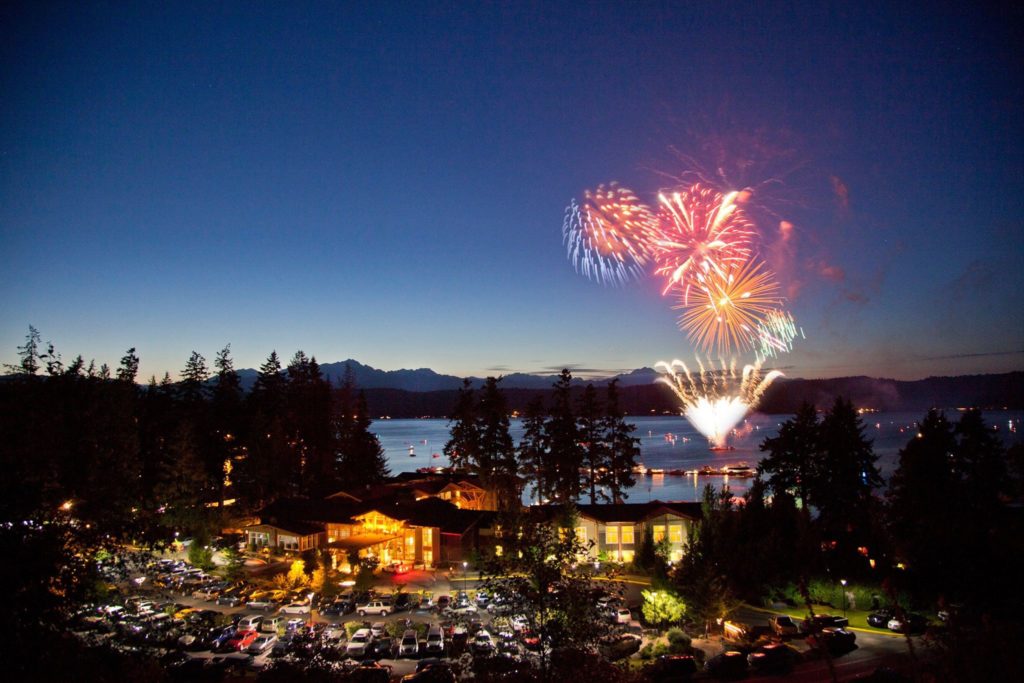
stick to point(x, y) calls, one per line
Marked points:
point(296, 608)
point(266, 605)
point(359, 644)
point(374, 607)
point(410, 646)
point(482, 642)
point(377, 629)
point(463, 608)
point(623, 616)
point(435, 640)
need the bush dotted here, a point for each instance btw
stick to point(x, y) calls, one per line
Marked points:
point(647, 651)
point(678, 641)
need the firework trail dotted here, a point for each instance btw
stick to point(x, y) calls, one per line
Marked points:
point(702, 232)
point(775, 335)
point(714, 401)
point(608, 237)
point(725, 310)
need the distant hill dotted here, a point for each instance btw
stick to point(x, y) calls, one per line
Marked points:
point(423, 392)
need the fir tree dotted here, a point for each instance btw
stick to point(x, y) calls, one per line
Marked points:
point(592, 445)
point(463, 446)
point(496, 455)
point(129, 366)
point(622, 448)
point(565, 457)
point(532, 451)
point(793, 459)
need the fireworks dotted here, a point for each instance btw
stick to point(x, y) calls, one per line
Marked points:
point(702, 232)
point(775, 334)
point(726, 309)
point(715, 400)
point(608, 237)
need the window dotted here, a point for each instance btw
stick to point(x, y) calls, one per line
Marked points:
point(675, 533)
point(627, 535)
point(428, 537)
point(659, 532)
point(611, 535)
point(581, 534)
point(627, 556)
point(498, 550)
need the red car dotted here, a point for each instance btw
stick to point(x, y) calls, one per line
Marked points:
point(241, 640)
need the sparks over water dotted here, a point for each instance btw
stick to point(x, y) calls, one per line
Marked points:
point(715, 400)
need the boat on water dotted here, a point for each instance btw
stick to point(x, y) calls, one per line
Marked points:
point(740, 470)
point(721, 448)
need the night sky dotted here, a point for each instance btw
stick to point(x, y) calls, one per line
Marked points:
point(387, 181)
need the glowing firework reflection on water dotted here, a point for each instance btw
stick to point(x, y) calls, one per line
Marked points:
point(715, 400)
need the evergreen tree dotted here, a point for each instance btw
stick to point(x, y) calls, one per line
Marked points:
point(565, 457)
point(193, 379)
point(361, 460)
point(30, 354)
point(623, 449)
point(847, 477)
point(184, 486)
point(981, 465)
point(129, 366)
point(593, 449)
point(227, 416)
point(701, 578)
point(923, 503)
point(496, 454)
point(793, 460)
point(463, 446)
point(532, 451)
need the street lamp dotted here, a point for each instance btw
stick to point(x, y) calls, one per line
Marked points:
point(464, 571)
point(843, 582)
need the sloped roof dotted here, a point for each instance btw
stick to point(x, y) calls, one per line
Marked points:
point(297, 528)
point(630, 512)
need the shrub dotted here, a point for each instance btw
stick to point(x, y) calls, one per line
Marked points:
point(678, 641)
point(647, 651)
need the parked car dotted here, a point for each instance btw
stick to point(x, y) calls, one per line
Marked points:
point(908, 623)
point(435, 640)
point(241, 640)
point(249, 622)
point(378, 629)
point(783, 625)
point(337, 608)
point(403, 602)
point(359, 644)
point(262, 644)
point(296, 608)
point(397, 567)
point(729, 664)
point(482, 643)
point(383, 648)
point(668, 668)
point(823, 621)
point(231, 598)
point(837, 641)
point(774, 658)
point(463, 608)
point(374, 607)
point(334, 633)
point(880, 618)
point(623, 616)
point(271, 625)
point(443, 602)
point(434, 672)
point(410, 645)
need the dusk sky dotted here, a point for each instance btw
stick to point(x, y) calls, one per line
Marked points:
point(387, 181)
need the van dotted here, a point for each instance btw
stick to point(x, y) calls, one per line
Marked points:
point(250, 623)
point(435, 640)
point(271, 625)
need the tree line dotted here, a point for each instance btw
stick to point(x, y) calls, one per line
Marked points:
point(943, 532)
point(570, 449)
point(149, 461)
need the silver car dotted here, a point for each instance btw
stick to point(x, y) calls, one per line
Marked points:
point(410, 646)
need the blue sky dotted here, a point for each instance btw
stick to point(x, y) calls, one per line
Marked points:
point(387, 181)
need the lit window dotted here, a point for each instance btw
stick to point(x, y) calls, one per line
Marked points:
point(659, 532)
point(675, 533)
point(627, 535)
point(581, 534)
point(497, 551)
point(627, 556)
point(611, 535)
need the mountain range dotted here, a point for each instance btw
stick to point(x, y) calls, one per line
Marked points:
point(423, 392)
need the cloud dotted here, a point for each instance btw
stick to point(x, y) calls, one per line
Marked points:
point(983, 354)
point(498, 368)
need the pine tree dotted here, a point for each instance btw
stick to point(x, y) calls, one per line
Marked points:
point(565, 457)
point(592, 444)
point(847, 477)
point(463, 446)
point(360, 458)
point(496, 455)
point(793, 458)
point(129, 366)
point(193, 379)
point(622, 448)
point(532, 451)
